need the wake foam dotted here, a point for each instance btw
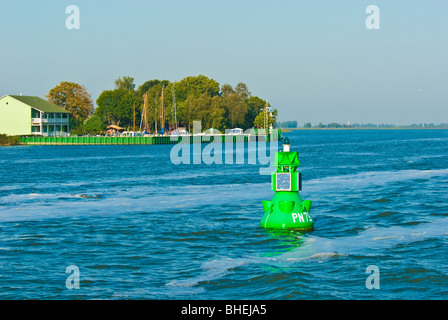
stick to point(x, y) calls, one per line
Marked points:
point(213, 270)
point(370, 241)
point(371, 178)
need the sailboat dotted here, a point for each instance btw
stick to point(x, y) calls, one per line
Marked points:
point(144, 122)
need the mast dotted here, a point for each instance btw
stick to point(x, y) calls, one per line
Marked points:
point(174, 104)
point(141, 116)
point(145, 112)
point(162, 116)
point(146, 108)
point(134, 118)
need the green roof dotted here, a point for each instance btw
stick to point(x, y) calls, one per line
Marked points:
point(40, 104)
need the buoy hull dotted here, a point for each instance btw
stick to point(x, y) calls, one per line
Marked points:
point(287, 210)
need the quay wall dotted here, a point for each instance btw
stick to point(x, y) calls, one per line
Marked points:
point(107, 140)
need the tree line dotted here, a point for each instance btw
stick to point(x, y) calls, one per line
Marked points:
point(171, 104)
point(371, 125)
point(287, 124)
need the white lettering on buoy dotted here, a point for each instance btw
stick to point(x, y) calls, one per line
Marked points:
point(294, 217)
point(302, 217)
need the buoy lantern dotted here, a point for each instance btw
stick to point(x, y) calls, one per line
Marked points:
point(287, 210)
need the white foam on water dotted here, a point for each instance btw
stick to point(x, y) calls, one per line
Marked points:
point(370, 241)
point(414, 159)
point(33, 206)
point(147, 197)
point(122, 182)
point(212, 270)
point(370, 178)
point(83, 158)
point(357, 153)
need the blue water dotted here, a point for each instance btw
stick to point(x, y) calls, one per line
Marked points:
point(165, 231)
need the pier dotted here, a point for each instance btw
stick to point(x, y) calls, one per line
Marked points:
point(275, 135)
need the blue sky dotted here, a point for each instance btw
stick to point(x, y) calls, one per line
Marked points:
point(315, 61)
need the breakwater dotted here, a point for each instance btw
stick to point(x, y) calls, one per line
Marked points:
point(119, 140)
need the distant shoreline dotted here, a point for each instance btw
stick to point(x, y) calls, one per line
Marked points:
point(366, 128)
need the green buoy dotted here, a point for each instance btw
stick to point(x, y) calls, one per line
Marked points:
point(287, 210)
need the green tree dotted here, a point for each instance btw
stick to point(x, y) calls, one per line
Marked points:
point(94, 125)
point(6, 140)
point(196, 86)
point(145, 87)
point(126, 83)
point(234, 102)
point(217, 120)
point(192, 110)
point(72, 97)
point(187, 92)
point(117, 107)
point(287, 124)
point(227, 90)
point(242, 90)
point(254, 106)
point(207, 109)
point(260, 120)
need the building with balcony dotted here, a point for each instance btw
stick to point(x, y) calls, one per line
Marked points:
point(28, 115)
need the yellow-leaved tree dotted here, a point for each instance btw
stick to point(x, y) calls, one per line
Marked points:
point(72, 97)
